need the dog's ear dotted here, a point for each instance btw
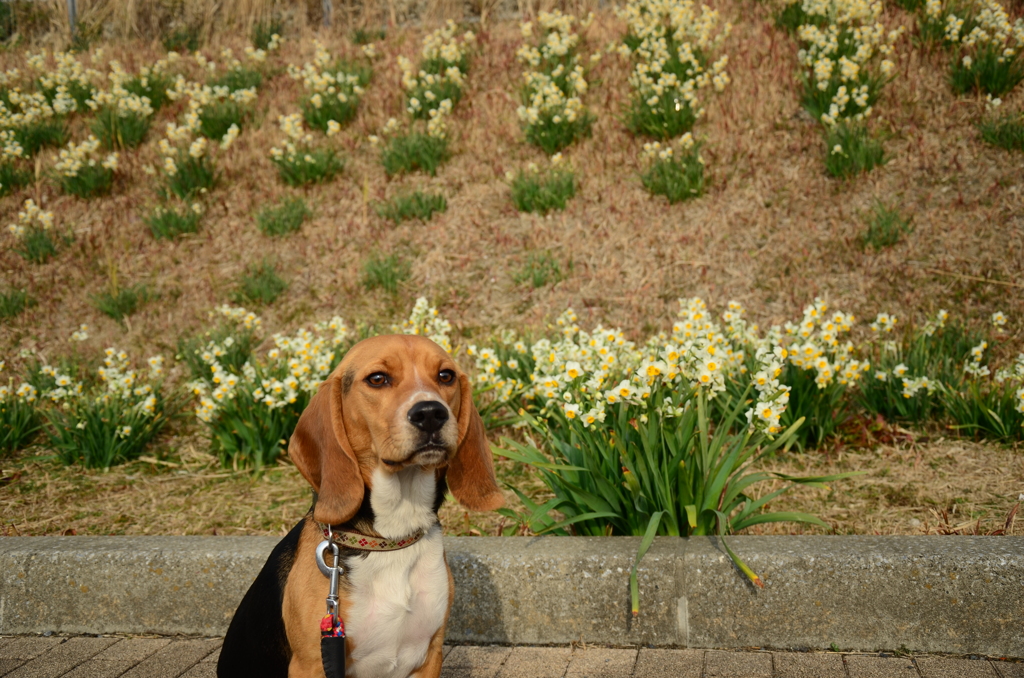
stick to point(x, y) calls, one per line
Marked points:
point(471, 471)
point(320, 449)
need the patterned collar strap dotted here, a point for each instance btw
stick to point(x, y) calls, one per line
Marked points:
point(362, 542)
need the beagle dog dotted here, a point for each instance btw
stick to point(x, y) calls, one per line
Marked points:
point(388, 432)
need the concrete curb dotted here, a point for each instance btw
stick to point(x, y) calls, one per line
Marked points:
point(928, 594)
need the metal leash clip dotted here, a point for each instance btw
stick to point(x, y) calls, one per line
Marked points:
point(326, 569)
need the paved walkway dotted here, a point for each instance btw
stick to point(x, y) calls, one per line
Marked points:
point(86, 657)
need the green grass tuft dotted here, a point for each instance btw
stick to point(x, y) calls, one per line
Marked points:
point(851, 150)
point(217, 118)
point(792, 17)
point(426, 97)
point(364, 36)
point(119, 131)
point(119, 303)
point(665, 121)
point(49, 132)
point(414, 151)
point(260, 284)
point(12, 178)
point(78, 90)
point(19, 423)
point(13, 303)
point(539, 270)
point(238, 78)
point(987, 411)
point(986, 71)
point(233, 345)
point(183, 39)
point(418, 205)
point(92, 181)
point(678, 177)
point(533, 191)
point(264, 31)
point(37, 245)
point(885, 227)
point(193, 176)
point(552, 137)
point(99, 432)
point(360, 69)
point(170, 223)
point(385, 273)
point(1005, 132)
point(309, 166)
point(153, 86)
point(285, 218)
point(8, 21)
point(939, 351)
point(341, 105)
point(671, 115)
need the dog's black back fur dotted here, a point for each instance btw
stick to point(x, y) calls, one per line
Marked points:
point(256, 644)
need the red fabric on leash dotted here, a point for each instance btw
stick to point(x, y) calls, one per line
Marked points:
point(332, 646)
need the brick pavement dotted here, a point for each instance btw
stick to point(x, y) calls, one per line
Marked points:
point(87, 657)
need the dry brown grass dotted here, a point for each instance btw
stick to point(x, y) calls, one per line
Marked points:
point(772, 232)
point(46, 22)
point(912, 488)
point(906, 489)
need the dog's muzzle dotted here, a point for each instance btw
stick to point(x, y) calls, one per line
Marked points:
point(429, 418)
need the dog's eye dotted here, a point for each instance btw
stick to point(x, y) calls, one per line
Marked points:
point(446, 376)
point(377, 379)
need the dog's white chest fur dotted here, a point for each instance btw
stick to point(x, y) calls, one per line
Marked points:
point(399, 598)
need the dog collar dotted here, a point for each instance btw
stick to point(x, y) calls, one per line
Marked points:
point(362, 542)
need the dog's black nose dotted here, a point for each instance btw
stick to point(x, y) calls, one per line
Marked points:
point(428, 416)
